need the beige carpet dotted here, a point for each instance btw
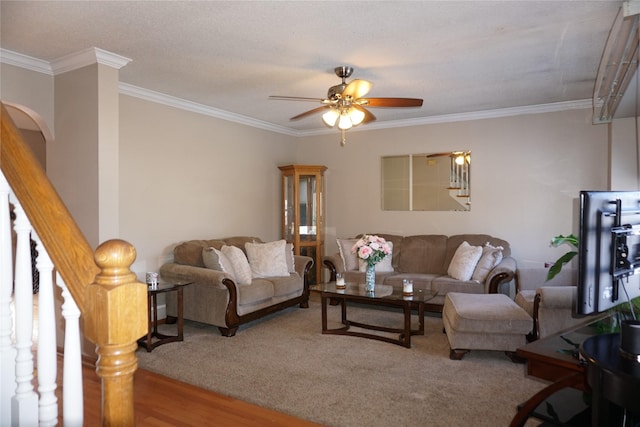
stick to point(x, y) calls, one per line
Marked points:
point(284, 363)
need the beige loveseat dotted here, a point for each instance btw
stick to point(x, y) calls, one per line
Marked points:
point(220, 296)
point(425, 259)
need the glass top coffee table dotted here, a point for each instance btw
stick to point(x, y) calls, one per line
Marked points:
point(383, 295)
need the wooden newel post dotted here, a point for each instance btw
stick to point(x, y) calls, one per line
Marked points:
point(116, 316)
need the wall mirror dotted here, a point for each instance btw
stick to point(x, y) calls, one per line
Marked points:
point(427, 182)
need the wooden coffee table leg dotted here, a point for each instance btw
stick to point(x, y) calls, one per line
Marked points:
point(323, 300)
point(406, 339)
point(344, 312)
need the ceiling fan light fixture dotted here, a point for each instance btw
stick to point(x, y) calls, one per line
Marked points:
point(345, 104)
point(356, 116)
point(345, 122)
point(330, 117)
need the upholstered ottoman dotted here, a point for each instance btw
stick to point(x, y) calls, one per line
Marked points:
point(484, 322)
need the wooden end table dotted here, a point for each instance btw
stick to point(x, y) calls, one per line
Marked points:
point(148, 341)
point(556, 358)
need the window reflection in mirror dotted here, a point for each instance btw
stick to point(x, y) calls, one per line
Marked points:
point(427, 182)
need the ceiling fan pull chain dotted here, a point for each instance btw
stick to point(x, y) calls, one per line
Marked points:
point(343, 139)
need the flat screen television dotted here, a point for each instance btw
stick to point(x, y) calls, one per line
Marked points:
point(608, 250)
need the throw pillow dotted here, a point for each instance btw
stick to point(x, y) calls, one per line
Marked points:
point(267, 259)
point(240, 264)
point(491, 256)
point(216, 260)
point(464, 261)
point(349, 259)
point(383, 266)
point(291, 261)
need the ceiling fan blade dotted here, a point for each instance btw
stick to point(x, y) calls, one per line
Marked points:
point(393, 102)
point(357, 89)
point(294, 98)
point(368, 115)
point(308, 113)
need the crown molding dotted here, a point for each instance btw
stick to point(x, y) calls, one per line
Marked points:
point(171, 101)
point(66, 63)
point(26, 62)
point(474, 115)
point(92, 55)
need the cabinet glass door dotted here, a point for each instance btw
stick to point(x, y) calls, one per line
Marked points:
point(308, 215)
point(289, 208)
point(303, 215)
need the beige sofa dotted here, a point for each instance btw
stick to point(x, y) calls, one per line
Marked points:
point(215, 298)
point(426, 259)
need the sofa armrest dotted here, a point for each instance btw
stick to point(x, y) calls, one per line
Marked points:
point(334, 264)
point(180, 272)
point(553, 310)
point(302, 264)
point(501, 273)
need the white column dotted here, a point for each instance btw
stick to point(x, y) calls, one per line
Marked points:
point(72, 395)
point(47, 363)
point(7, 352)
point(24, 405)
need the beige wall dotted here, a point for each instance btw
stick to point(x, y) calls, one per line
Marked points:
point(73, 165)
point(526, 172)
point(625, 157)
point(108, 153)
point(184, 176)
point(188, 176)
point(28, 88)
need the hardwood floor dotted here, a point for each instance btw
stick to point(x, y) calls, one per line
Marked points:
point(162, 401)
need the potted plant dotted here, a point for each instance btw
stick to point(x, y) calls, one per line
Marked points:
point(558, 240)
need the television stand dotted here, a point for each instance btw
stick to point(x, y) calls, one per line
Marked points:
point(614, 379)
point(554, 360)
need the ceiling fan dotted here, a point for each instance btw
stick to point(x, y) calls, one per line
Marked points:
point(345, 103)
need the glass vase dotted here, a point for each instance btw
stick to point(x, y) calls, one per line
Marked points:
point(370, 278)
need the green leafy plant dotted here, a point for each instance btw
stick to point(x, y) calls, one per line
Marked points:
point(611, 324)
point(559, 240)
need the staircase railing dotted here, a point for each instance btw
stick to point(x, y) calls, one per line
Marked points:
point(99, 287)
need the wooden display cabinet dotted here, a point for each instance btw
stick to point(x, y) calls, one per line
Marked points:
point(303, 213)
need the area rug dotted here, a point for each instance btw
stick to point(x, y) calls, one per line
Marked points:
point(284, 362)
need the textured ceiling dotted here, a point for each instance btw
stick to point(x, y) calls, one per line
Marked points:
point(459, 56)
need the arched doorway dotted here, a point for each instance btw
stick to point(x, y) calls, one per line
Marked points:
point(34, 129)
point(36, 135)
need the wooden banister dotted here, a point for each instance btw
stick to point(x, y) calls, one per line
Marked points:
point(116, 292)
point(113, 304)
point(67, 246)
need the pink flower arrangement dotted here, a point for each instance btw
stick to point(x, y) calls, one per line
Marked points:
point(371, 249)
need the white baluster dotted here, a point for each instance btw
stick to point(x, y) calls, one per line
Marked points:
point(24, 404)
point(7, 352)
point(47, 363)
point(72, 396)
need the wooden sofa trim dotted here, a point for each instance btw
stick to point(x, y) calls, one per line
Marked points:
point(233, 320)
